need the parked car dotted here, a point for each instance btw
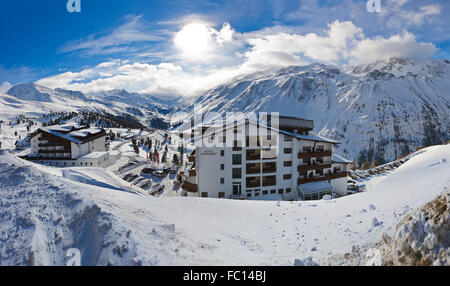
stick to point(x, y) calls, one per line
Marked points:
point(158, 174)
point(148, 170)
point(173, 171)
point(145, 184)
point(137, 180)
point(130, 177)
point(352, 187)
point(158, 189)
point(127, 177)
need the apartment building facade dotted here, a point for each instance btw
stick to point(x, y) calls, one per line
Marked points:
point(70, 146)
point(286, 163)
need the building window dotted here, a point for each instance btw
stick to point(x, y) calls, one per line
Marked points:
point(237, 159)
point(237, 173)
point(288, 190)
point(319, 148)
point(204, 194)
point(287, 163)
point(287, 150)
point(222, 167)
point(221, 195)
point(265, 192)
point(249, 195)
point(273, 191)
point(280, 191)
point(306, 149)
point(222, 153)
point(287, 177)
point(222, 181)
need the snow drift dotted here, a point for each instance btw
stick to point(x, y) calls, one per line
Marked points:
point(43, 214)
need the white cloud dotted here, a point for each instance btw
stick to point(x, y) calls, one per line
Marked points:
point(199, 42)
point(4, 87)
point(224, 54)
point(403, 46)
point(134, 30)
point(424, 13)
point(282, 49)
point(398, 16)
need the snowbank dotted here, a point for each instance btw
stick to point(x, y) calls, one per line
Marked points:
point(43, 214)
point(421, 238)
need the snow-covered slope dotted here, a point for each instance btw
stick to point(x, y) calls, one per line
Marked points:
point(43, 214)
point(379, 111)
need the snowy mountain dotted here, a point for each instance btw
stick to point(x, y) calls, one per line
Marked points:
point(45, 211)
point(34, 100)
point(378, 112)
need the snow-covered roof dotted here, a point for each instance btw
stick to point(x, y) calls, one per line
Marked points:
point(94, 155)
point(84, 132)
point(74, 136)
point(315, 187)
point(338, 159)
point(114, 152)
point(65, 136)
point(66, 127)
point(311, 136)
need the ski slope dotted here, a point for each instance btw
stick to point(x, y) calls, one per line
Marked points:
point(46, 211)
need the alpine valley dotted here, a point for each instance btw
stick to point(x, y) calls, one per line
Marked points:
point(379, 111)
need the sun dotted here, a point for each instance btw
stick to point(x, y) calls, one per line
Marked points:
point(194, 40)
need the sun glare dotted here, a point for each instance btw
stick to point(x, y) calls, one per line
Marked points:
point(194, 39)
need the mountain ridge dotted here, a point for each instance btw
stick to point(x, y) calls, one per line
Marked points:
point(378, 112)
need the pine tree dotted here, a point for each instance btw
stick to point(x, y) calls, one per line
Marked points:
point(374, 164)
point(365, 165)
point(175, 159)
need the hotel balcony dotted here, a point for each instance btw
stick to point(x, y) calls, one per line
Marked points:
point(322, 178)
point(253, 168)
point(51, 145)
point(54, 151)
point(253, 182)
point(302, 168)
point(269, 167)
point(269, 181)
point(314, 154)
point(253, 155)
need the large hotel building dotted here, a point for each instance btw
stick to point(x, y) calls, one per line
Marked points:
point(288, 162)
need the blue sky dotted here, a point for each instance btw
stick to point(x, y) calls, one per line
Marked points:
point(187, 46)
